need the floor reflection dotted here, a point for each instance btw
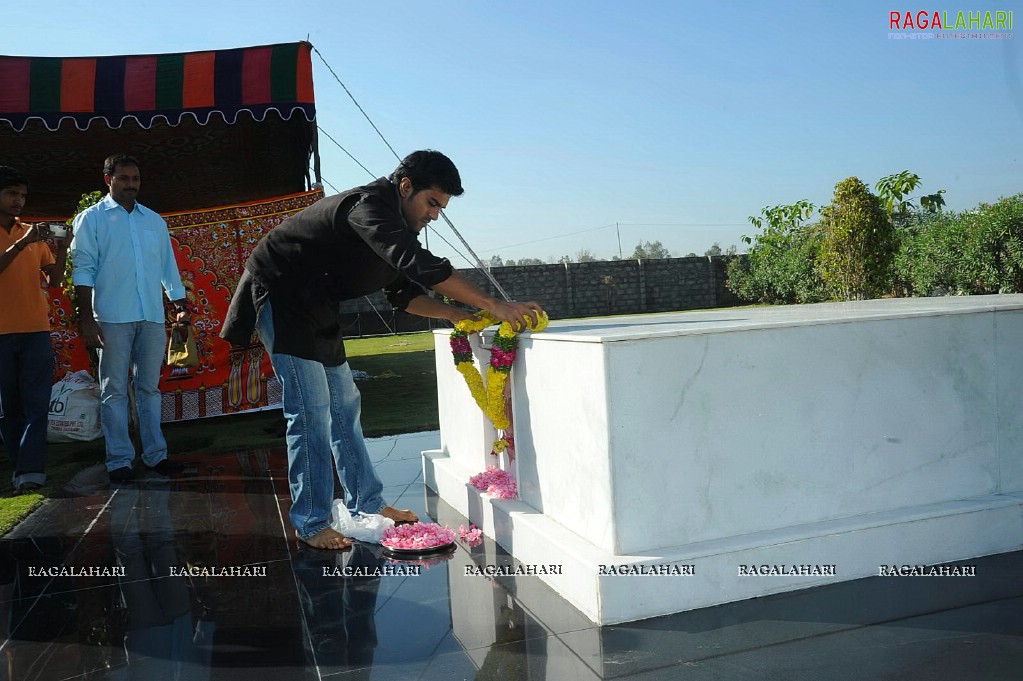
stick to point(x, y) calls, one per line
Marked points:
point(339, 611)
point(161, 640)
point(199, 577)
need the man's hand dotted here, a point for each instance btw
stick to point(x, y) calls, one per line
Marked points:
point(182, 317)
point(33, 233)
point(461, 289)
point(515, 313)
point(93, 335)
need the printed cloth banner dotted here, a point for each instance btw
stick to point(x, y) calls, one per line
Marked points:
point(210, 128)
point(149, 87)
point(211, 246)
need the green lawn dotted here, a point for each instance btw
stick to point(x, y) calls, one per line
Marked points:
point(400, 393)
point(398, 396)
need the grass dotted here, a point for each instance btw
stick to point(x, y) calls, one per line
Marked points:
point(398, 396)
point(400, 393)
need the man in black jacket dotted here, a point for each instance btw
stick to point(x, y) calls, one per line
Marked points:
point(340, 248)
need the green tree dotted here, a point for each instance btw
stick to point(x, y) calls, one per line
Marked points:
point(781, 266)
point(893, 190)
point(646, 250)
point(585, 255)
point(858, 243)
point(713, 250)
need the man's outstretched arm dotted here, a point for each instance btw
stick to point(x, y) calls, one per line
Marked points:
point(461, 289)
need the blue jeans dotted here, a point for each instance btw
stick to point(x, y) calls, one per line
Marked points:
point(26, 376)
point(322, 407)
point(138, 347)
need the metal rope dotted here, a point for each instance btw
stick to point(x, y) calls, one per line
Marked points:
point(479, 263)
point(368, 119)
point(338, 144)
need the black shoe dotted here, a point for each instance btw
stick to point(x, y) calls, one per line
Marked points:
point(123, 474)
point(167, 467)
point(27, 488)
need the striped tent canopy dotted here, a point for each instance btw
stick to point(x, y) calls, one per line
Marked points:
point(209, 128)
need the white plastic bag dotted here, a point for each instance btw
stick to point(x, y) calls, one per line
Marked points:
point(367, 527)
point(74, 409)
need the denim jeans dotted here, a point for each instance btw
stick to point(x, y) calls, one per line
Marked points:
point(322, 408)
point(26, 376)
point(138, 347)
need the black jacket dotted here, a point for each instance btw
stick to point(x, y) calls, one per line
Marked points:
point(342, 247)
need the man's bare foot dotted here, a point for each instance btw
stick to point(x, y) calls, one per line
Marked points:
point(326, 538)
point(400, 516)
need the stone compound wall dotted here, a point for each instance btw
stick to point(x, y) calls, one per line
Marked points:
point(590, 289)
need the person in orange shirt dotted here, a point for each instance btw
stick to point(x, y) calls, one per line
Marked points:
point(26, 356)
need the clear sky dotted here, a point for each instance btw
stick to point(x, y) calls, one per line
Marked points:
point(674, 120)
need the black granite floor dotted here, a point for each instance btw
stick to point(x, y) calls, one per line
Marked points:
point(285, 614)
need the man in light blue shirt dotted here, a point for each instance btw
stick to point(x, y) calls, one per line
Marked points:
point(123, 261)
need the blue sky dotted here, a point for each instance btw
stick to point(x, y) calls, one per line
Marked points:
point(676, 120)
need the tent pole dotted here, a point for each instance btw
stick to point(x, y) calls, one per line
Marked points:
point(315, 144)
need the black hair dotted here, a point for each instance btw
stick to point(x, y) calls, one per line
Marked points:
point(110, 165)
point(428, 169)
point(11, 177)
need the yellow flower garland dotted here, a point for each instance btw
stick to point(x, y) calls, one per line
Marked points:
point(489, 398)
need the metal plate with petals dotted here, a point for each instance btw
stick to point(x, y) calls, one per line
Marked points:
point(419, 553)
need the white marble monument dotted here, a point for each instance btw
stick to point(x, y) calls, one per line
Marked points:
point(676, 461)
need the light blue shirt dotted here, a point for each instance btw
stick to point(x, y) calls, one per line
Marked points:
point(127, 259)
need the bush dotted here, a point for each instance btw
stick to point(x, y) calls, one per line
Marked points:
point(974, 252)
point(781, 267)
point(858, 243)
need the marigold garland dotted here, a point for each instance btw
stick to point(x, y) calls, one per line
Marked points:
point(489, 397)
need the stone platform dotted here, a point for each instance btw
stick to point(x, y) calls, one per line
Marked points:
point(749, 451)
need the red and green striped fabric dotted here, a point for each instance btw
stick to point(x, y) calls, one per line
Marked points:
point(168, 86)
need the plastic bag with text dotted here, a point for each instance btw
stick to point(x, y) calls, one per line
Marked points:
point(74, 409)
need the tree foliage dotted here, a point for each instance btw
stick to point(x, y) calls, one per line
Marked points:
point(893, 190)
point(974, 252)
point(867, 245)
point(781, 266)
point(646, 250)
point(857, 243)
